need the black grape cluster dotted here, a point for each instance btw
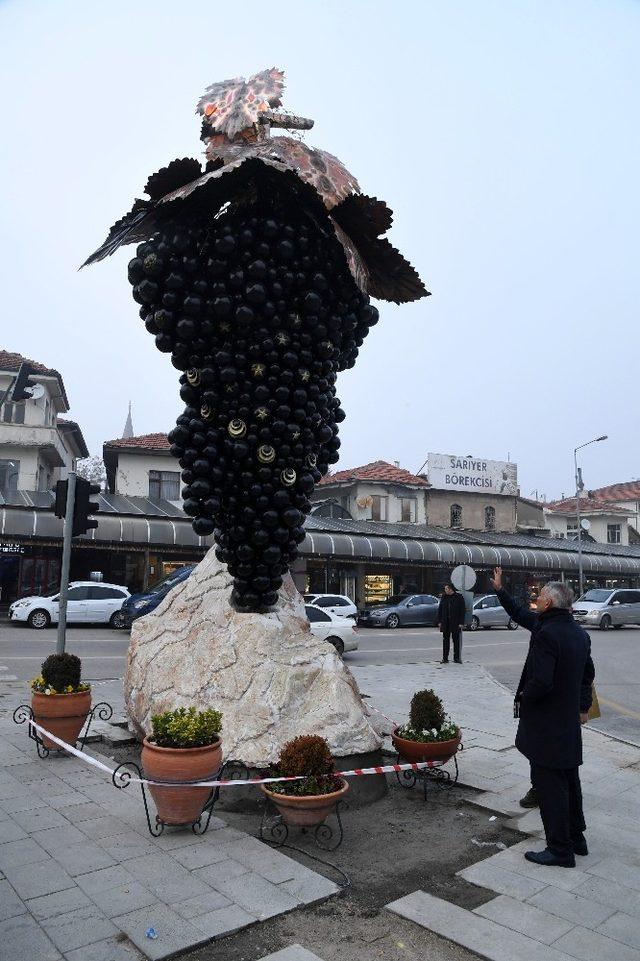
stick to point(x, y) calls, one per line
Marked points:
point(259, 311)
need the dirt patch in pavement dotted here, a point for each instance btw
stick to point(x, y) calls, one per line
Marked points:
point(390, 848)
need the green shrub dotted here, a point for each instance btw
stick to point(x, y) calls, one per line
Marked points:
point(61, 671)
point(186, 727)
point(308, 755)
point(427, 711)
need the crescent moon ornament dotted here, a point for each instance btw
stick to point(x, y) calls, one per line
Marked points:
point(193, 377)
point(266, 454)
point(237, 428)
point(311, 460)
point(288, 477)
point(206, 412)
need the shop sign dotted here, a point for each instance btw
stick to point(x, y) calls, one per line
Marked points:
point(6, 547)
point(473, 474)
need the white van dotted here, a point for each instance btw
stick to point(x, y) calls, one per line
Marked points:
point(605, 608)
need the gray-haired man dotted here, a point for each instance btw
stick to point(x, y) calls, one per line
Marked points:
point(553, 698)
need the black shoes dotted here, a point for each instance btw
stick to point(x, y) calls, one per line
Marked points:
point(549, 859)
point(530, 800)
point(443, 661)
point(580, 848)
point(457, 661)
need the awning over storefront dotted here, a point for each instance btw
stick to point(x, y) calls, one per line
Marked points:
point(141, 521)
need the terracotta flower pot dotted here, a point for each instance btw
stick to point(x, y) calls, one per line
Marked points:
point(305, 811)
point(416, 751)
point(180, 805)
point(62, 714)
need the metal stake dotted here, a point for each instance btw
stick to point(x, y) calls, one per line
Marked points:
point(66, 560)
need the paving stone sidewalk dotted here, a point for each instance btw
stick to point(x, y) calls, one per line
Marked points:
point(590, 913)
point(81, 878)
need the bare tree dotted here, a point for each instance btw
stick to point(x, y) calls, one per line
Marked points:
point(92, 469)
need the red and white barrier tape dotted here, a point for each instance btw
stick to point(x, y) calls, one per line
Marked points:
point(225, 782)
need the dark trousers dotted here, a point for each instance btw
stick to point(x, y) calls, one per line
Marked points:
point(560, 797)
point(447, 634)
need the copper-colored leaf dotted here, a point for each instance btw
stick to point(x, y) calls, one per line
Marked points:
point(232, 105)
point(391, 277)
point(363, 216)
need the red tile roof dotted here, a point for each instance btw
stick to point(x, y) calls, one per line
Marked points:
point(587, 505)
point(9, 360)
point(629, 491)
point(142, 441)
point(379, 471)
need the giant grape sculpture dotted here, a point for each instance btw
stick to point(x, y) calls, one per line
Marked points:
point(255, 277)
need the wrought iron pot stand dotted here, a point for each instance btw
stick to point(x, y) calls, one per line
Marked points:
point(274, 830)
point(24, 713)
point(125, 773)
point(436, 775)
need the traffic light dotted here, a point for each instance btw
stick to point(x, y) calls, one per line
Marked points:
point(83, 506)
point(60, 509)
point(21, 382)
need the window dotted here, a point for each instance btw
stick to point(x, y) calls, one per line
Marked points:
point(164, 484)
point(456, 515)
point(378, 508)
point(9, 470)
point(78, 593)
point(489, 518)
point(315, 615)
point(13, 413)
point(408, 506)
point(105, 593)
point(332, 600)
point(613, 533)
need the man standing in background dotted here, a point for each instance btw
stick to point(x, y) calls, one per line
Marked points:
point(451, 615)
point(552, 701)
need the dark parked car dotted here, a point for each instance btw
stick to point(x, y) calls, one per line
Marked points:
point(140, 604)
point(401, 610)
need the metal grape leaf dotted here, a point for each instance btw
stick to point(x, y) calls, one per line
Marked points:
point(233, 105)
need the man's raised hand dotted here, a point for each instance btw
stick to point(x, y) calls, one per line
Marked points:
point(496, 580)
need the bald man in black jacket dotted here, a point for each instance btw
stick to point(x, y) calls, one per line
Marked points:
point(552, 701)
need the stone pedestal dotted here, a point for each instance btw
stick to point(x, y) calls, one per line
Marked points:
point(267, 674)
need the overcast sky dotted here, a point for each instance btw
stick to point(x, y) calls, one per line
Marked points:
point(503, 133)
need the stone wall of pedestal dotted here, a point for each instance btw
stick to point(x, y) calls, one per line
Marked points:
point(267, 674)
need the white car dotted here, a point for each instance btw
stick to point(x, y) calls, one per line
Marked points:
point(334, 604)
point(338, 631)
point(88, 602)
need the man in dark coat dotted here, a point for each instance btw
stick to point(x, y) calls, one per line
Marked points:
point(451, 614)
point(552, 701)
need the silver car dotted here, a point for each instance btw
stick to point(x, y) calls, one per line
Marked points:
point(488, 612)
point(605, 608)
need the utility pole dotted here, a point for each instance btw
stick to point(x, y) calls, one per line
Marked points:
point(579, 485)
point(66, 560)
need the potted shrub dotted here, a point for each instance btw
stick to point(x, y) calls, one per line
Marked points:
point(310, 801)
point(59, 700)
point(185, 746)
point(429, 735)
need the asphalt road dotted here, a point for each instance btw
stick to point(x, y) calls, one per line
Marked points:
point(616, 655)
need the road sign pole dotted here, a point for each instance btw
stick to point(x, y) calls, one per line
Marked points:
point(66, 560)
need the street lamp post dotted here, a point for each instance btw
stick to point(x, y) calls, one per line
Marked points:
point(595, 440)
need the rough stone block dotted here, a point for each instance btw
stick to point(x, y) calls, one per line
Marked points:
point(38, 878)
point(111, 949)
point(62, 902)
point(623, 928)
point(10, 903)
point(498, 879)
point(587, 945)
point(294, 952)
point(525, 918)
point(202, 904)
point(174, 933)
point(572, 906)
point(223, 921)
point(257, 895)
point(27, 940)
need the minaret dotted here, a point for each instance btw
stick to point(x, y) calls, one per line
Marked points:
point(128, 427)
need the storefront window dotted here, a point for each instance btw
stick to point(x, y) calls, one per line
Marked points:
point(377, 587)
point(164, 484)
point(456, 515)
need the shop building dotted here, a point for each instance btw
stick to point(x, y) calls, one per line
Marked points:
point(625, 495)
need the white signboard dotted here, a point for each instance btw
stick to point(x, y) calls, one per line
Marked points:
point(474, 474)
